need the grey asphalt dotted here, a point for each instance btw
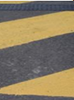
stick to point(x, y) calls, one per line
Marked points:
point(9, 97)
point(39, 6)
point(38, 58)
point(14, 15)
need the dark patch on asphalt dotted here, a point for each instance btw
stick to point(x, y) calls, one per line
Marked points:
point(39, 6)
point(36, 59)
point(9, 97)
point(14, 15)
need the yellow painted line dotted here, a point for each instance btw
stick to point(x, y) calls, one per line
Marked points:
point(13, 2)
point(59, 84)
point(22, 31)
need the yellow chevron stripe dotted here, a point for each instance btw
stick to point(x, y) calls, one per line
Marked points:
point(32, 29)
point(59, 84)
point(13, 2)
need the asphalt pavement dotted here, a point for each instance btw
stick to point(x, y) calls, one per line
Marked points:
point(37, 58)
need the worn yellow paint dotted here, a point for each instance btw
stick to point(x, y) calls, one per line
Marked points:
point(13, 2)
point(59, 84)
point(32, 29)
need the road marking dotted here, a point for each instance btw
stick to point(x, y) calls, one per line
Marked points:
point(31, 29)
point(59, 84)
point(13, 2)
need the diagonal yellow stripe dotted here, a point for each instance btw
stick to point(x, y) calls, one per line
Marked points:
point(13, 2)
point(31, 29)
point(59, 84)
